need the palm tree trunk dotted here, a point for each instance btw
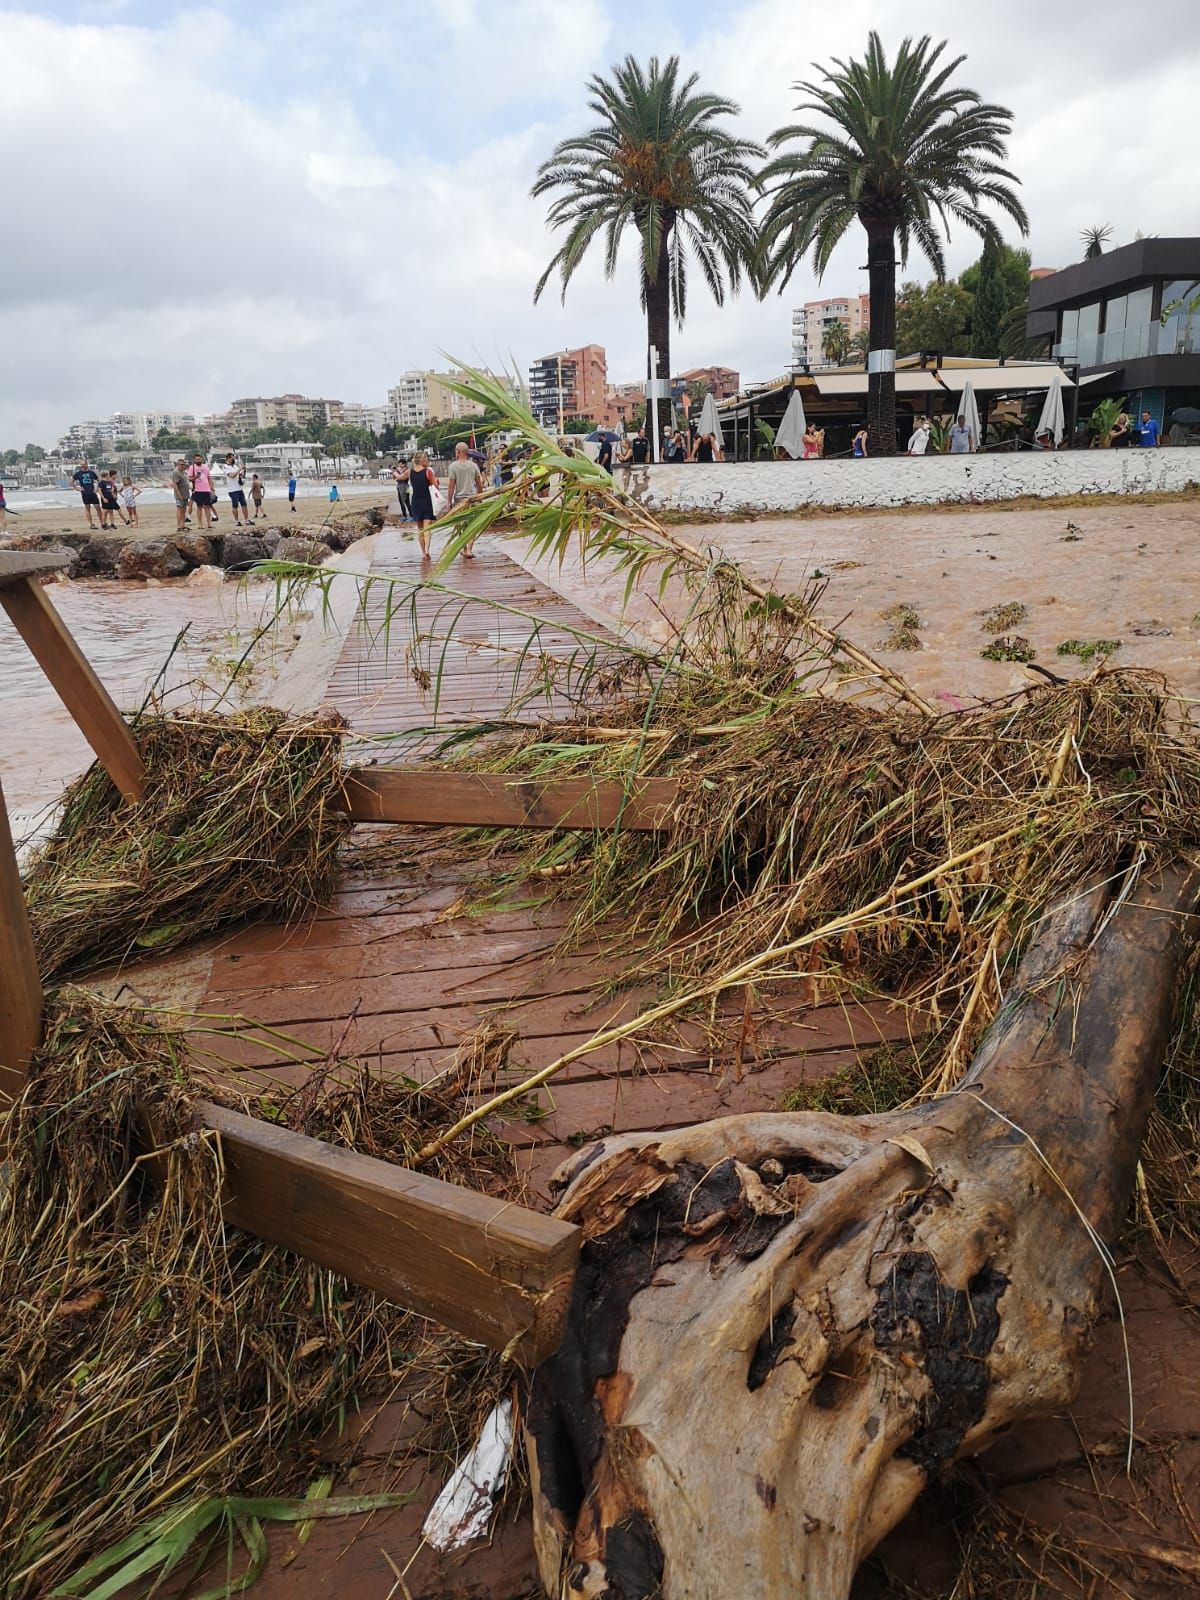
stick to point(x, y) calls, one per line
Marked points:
point(881, 362)
point(658, 331)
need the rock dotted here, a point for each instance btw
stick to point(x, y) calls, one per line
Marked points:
point(199, 549)
point(100, 558)
point(202, 575)
point(151, 558)
point(309, 551)
point(243, 550)
point(272, 537)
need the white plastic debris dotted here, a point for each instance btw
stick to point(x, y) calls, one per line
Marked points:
point(460, 1513)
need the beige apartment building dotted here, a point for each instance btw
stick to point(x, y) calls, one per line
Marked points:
point(295, 411)
point(424, 397)
point(811, 321)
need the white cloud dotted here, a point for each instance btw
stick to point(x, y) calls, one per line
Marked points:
point(214, 207)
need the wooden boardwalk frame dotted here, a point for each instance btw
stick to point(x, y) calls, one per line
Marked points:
point(507, 800)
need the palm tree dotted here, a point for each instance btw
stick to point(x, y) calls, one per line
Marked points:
point(860, 345)
point(1094, 239)
point(657, 161)
point(835, 343)
point(900, 150)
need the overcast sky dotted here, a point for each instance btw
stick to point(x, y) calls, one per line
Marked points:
point(202, 202)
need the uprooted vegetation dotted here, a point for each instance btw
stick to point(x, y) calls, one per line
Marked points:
point(1009, 647)
point(1088, 649)
point(1002, 618)
point(906, 624)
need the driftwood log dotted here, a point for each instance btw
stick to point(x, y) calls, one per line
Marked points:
point(784, 1325)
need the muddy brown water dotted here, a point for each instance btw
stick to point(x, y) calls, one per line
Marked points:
point(127, 631)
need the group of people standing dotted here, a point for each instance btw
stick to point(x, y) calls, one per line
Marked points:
point(108, 498)
point(194, 487)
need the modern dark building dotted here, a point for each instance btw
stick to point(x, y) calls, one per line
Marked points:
point(1130, 320)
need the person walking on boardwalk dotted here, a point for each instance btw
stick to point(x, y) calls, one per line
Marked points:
point(421, 482)
point(466, 480)
point(403, 497)
point(87, 480)
point(182, 490)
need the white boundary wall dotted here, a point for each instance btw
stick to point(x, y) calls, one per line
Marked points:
point(904, 481)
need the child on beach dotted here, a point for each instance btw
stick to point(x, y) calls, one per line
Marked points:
point(108, 500)
point(256, 494)
point(292, 494)
point(3, 510)
point(129, 494)
point(333, 494)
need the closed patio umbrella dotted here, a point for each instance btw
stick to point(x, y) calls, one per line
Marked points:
point(791, 430)
point(1052, 420)
point(709, 422)
point(969, 412)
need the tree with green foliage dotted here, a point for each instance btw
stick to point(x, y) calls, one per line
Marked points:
point(899, 147)
point(33, 453)
point(991, 302)
point(658, 161)
point(578, 425)
point(933, 316)
point(835, 342)
point(1094, 239)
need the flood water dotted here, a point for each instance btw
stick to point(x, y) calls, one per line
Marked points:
point(127, 631)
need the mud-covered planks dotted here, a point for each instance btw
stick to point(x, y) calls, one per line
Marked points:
point(488, 1269)
point(506, 800)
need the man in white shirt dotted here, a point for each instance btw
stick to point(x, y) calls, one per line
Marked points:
point(465, 480)
point(961, 443)
point(233, 488)
point(919, 442)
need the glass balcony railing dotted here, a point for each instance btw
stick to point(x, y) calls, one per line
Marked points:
point(1180, 336)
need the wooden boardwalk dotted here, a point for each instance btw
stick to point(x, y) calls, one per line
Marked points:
point(397, 972)
point(421, 662)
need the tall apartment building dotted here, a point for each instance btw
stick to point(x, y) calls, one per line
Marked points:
point(568, 384)
point(424, 397)
point(281, 411)
point(811, 321)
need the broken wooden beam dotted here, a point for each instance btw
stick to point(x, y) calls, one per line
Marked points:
point(68, 669)
point(507, 800)
point(20, 984)
point(489, 1269)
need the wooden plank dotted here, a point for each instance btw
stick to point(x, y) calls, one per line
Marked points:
point(85, 697)
point(489, 1269)
point(506, 800)
point(16, 565)
point(20, 984)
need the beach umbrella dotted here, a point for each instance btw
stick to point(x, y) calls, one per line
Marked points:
point(969, 412)
point(1052, 420)
point(791, 430)
point(709, 422)
point(1188, 415)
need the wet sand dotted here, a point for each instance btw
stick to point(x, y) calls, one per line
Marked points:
point(1123, 572)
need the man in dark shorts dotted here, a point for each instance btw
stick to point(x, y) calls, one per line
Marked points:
point(87, 481)
point(234, 478)
point(403, 493)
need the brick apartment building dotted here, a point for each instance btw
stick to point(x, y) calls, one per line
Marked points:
point(569, 384)
point(720, 382)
